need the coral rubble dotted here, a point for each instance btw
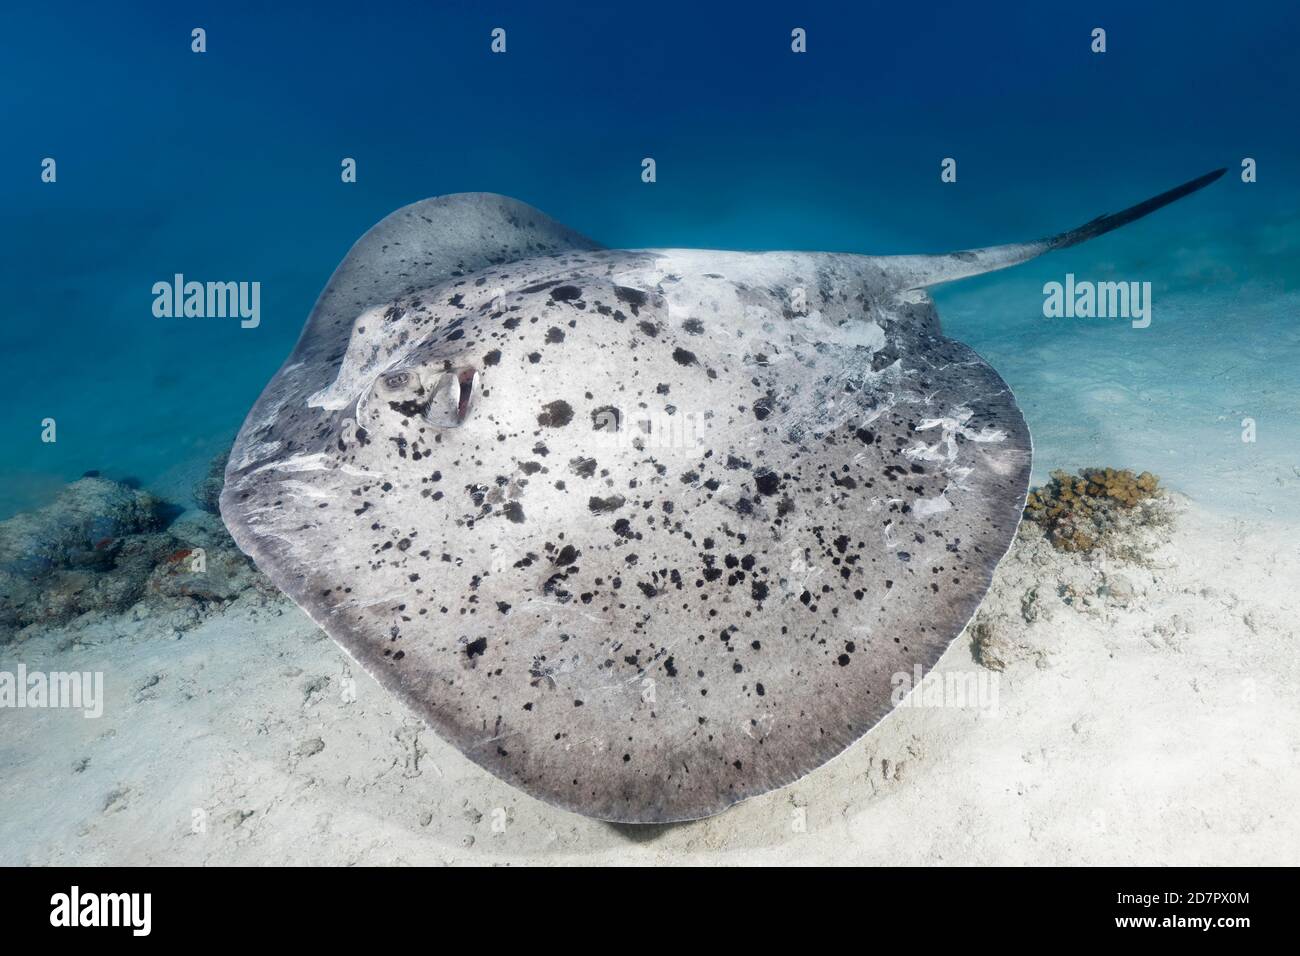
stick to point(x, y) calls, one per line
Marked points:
point(207, 492)
point(1081, 512)
point(104, 547)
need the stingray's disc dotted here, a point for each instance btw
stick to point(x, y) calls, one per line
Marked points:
point(642, 533)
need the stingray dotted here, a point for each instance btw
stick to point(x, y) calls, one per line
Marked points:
point(643, 533)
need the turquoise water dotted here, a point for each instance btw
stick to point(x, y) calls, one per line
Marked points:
point(225, 166)
point(1222, 353)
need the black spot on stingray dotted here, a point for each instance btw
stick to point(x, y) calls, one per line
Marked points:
point(601, 505)
point(649, 328)
point(540, 286)
point(583, 467)
point(515, 512)
point(566, 293)
point(568, 554)
point(693, 326)
point(492, 357)
point(476, 648)
point(552, 586)
point(683, 357)
point(409, 408)
point(531, 467)
point(555, 414)
point(633, 297)
point(767, 482)
point(763, 407)
point(554, 335)
point(865, 436)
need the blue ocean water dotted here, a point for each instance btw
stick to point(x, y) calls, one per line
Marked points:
point(225, 166)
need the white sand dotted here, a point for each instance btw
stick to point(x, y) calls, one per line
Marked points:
point(1164, 732)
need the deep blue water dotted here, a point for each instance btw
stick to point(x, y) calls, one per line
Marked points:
point(225, 166)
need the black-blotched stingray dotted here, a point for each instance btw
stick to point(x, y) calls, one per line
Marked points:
point(644, 533)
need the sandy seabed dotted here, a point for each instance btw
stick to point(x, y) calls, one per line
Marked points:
point(1125, 713)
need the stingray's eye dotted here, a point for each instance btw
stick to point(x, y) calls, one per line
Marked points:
point(400, 381)
point(453, 397)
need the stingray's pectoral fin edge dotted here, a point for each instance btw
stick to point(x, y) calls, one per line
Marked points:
point(916, 272)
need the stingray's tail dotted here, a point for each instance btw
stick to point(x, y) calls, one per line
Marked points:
point(915, 272)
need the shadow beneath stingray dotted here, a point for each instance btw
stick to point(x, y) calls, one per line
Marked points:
point(645, 832)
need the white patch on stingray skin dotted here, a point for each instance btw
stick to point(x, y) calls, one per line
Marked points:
point(945, 449)
point(317, 462)
point(922, 507)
